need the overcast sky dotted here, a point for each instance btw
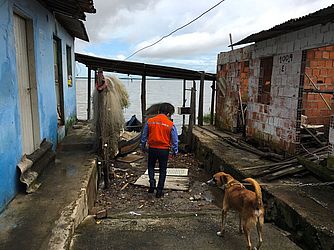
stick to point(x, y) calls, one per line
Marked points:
point(120, 27)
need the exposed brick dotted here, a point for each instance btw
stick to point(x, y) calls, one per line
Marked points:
point(325, 54)
point(317, 54)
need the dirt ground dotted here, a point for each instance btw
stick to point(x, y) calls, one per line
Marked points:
point(123, 195)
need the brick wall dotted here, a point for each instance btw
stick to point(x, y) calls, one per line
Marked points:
point(233, 71)
point(278, 124)
point(320, 68)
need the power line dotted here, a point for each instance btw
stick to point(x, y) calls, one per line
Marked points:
point(165, 36)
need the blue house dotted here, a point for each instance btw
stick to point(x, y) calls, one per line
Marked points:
point(37, 90)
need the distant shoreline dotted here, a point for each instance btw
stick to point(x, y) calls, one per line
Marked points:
point(126, 78)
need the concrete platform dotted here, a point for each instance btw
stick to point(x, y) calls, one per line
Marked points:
point(307, 212)
point(46, 219)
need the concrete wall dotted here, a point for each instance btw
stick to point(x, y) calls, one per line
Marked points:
point(276, 124)
point(44, 27)
point(331, 137)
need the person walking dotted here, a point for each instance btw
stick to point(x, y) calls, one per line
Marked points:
point(159, 135)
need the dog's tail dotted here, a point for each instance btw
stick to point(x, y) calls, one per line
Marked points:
point(258, 191)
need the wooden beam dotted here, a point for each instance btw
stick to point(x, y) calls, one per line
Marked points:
point(89, 93)
point(322, 97)
point(213, 89)
point(191, 120)
point(194, 104)
point(201, 100)
point(184, 102)
point(143, 97)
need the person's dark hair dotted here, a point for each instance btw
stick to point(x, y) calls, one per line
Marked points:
point(166, 108)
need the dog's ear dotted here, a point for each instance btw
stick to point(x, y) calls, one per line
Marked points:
point(223, 179)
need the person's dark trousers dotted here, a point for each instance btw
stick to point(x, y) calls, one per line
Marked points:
point(161, 155)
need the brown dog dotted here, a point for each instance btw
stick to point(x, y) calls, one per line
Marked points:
point(248, 203)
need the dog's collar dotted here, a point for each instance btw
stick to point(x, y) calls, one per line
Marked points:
point(228, 185)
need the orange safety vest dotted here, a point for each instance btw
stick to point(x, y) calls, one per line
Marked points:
point(159, 132)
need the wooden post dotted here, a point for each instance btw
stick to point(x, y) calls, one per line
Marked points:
point(213, 89)
point(194, 108)
point(184, 102)
point(89, 93)
point(201, 100)
point(191, 120)
point(143, 97)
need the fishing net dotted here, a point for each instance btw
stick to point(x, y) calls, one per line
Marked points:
point(108, 114)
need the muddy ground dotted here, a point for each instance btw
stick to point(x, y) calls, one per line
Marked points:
point(123, 195)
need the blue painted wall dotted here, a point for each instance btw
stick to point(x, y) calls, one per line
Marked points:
point(45, 27)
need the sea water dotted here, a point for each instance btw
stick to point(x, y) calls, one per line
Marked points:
point(157, 90)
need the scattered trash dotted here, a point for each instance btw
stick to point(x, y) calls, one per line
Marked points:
point(101, 214)
point(124, 186)
point(197, 197)
point(134, 213)
point(98, 222)
point(141, 206)
point(134, 164)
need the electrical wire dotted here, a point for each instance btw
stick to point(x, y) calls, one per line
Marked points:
point(165, 36)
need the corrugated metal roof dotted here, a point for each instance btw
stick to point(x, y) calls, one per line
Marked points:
point(135, 68)
point(74, 26)
point(322, 16)
point(69, 13)
point(72, 8)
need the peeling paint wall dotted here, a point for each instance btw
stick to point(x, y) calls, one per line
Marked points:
point(276, 124)
point(44, 27)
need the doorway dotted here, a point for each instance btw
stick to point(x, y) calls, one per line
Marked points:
point(27, 86)
point(59, 80)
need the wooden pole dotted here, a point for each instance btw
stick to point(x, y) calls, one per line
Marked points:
point(201, 100)
point(89, 93)
point(184, 102)
point(231, 41)
point(194, 108)
point(322, 97)
point(143, 97)
point(191, 120)
point(213, 89)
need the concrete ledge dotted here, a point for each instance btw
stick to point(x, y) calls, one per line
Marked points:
point(296, 210)
point(73, 214)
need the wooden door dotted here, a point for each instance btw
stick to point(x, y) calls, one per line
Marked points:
point(24, 86)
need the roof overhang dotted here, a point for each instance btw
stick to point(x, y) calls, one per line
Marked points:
point(322, 16)
point(73, 8)
point(74, 26)
point(69, 14)
point(135, 68)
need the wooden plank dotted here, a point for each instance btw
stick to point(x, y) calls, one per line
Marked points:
point(130, 158)
point(284, 172)
point(173, 171)
point(172, 182)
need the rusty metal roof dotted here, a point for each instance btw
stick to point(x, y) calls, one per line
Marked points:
point(135, 68)
point(74, 26)
point(69, 14)
point(322, 16)
point(72, 8)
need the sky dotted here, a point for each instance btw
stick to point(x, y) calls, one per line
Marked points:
point(121, 27)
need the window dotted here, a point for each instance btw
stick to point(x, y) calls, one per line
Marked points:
point(69, 65)
point(266, 68)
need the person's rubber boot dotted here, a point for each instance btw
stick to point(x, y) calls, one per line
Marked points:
point(159, 193)
point(152, 187)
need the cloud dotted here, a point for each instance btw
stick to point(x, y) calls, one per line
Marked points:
point(136, 24)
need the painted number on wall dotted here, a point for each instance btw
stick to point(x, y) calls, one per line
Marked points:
point(283, 61)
